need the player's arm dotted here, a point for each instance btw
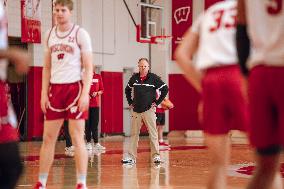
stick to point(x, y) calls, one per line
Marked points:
point(84, 41)
point(46, 74)
point(184, 54)
point(243, 42)
point(18, 57)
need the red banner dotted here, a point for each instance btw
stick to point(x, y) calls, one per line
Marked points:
point(31, 21)
point(181, 21)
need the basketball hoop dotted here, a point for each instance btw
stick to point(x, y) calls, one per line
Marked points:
point(160, 39)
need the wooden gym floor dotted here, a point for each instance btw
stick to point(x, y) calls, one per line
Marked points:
point(185, 166)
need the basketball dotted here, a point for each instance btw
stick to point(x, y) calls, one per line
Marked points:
point(167, 104)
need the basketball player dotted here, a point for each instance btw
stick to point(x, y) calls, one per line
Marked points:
point(161, 119)
point(10, 161)
point(216, 76)
point(261, 24)
point(92, 123)
point(65, 89)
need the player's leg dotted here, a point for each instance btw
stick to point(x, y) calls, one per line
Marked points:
point(266, 126)
point(95, 129)
point(215, 125)
point(77, 129)
point(219, 150)
point(88, 131)
point(10, 165)
point(160, 121)
point(50, 134)
point(267, 171)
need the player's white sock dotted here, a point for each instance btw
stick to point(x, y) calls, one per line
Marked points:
point(42, 178)
point(81, 178)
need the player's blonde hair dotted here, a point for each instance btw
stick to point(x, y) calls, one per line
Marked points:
point(67, 3)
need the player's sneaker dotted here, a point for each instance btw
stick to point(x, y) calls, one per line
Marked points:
point(81, 186)
point(39, 186)
point(69, 151)
point(98, 146)
point(89, 146)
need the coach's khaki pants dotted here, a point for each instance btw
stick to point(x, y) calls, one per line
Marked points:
point(149, 118)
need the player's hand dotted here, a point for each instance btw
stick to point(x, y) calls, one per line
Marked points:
point(44, 102)
point(83, 103)
point(21, 61)
point(131, 106)
point(94, 94)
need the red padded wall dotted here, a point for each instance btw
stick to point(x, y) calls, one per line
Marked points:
point(112, 103)
point(35, 115)
point(185, 98)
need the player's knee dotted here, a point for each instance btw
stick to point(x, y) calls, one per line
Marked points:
point(49, 138)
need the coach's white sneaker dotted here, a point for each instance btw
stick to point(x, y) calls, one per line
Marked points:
point(157, 159)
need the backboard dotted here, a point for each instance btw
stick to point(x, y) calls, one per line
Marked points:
point(150, 26)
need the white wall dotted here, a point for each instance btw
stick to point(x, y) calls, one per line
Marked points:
point(107, 21)
point(113, 33)
point(14, 26)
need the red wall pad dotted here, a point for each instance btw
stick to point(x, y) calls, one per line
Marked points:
point(112, 103)
point(35, 115)
point(185, 98)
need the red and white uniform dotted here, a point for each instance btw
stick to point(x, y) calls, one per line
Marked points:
point(97, 85)
point(266, 29)
point(216, 29)
point(66, 70)
point(8, 131)
point(265, 21)
point(224, 105)
point(66, 48)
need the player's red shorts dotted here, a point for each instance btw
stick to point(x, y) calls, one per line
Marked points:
point(266, 96)
point(63, 100)
point(7, 132)
point(224, 106)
